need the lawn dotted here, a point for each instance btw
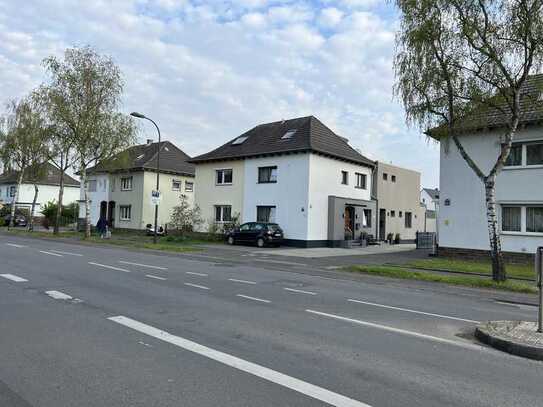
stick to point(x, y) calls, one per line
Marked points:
point(472, 266)
point(454, 279)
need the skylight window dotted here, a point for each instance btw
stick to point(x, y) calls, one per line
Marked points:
point(239, 140)
point(288, 135)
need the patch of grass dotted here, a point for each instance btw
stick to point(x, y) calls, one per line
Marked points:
point(469, 281)
point(472, 266)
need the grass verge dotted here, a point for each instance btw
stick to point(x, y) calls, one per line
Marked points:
point(471, 266)
point(468, 281)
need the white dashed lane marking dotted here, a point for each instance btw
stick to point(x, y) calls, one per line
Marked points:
point(15, 245)
point(51, 253)
point(299, 291)
point(253, 298)
point(143, 265)
point(241, 281)
point(66, 253)
point(155, 277)
point(57, 295)
point(192, 273)
point(202, 287)
point(108, 267)
point(14, 278)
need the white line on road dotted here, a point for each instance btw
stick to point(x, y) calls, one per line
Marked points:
point(143, 265)
point(50, 253)
point(197, 286)
point(253, 298)
point(155, 277)
point(13, 277)
point(108, 267)
point(192, 273)
point(57, 295)
point(15, 245)
point(299, 291)
point(66, 253)
point(413, 311)
point(398, 331)
point(308, 389)
point(241, 281)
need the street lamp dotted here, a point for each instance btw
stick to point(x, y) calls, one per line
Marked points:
point(142, 116)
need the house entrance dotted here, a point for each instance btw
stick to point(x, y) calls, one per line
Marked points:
point(349, 222)
point(382, 224)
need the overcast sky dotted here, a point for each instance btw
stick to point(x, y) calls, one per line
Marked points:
point(208, 70)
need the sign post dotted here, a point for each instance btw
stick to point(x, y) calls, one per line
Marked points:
point(539, 277)
point(155, 198)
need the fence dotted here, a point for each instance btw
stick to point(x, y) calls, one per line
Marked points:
point(426, 240)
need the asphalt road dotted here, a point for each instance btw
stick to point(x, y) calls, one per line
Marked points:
point(99, 326)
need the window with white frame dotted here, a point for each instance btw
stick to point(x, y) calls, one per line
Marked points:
point(511, 218)
point(12, 191)
point(534, 219)
point(91, 185)
point(408, 220)
point(223, 213)
point(361, 180)
point(223, 176)
point(522, 218)
point(344, 177)
point(126, 183)
point(267, 175)
point(525, 154)
point(176, 185)
point(125, 212)
point(189, 186)
point(265, 214)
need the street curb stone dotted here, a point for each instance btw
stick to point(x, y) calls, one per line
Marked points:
point(512, 337)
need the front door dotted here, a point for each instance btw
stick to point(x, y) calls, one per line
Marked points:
point(111, 214)
point(382, 224)
point(349, 222)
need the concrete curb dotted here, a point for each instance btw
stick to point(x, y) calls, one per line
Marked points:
point(486, 333)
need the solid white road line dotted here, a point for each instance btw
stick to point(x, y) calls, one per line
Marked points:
point(197, 286)
point(299, 291)
point(50, 253)
point(192, 273)
point(413, 311)
point(108, 267)
point(241, 281)
point(253, 298)
point(13, 277)
point(155, 277)
point(15, 245)
point(308, 389)
point(143, 265)
point(398, 331)
point(57, 295)
point(66, 253)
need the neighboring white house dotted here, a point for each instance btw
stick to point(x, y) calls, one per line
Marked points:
point(429, 198)
point(297, 173)
point(519, 187)
point(48, 188)
point(120, 189)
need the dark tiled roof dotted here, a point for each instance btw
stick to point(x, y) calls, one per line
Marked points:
point(265, 139)
point(434, 193)
point(489, 117)
point(49, 175)
point(144, 157)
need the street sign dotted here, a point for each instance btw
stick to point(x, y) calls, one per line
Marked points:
point(155, 197)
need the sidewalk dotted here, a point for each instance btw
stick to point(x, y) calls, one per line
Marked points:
point(516, 337)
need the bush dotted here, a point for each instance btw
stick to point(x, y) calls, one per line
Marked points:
point(68, 214)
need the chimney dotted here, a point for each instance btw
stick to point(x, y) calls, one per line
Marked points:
point(149, 141)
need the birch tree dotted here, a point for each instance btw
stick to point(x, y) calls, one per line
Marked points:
point(84, 96)
point(457, 63)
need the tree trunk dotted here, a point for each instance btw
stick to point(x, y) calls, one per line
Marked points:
point(87, 206)
point(15, 199)
point(498, 264)
point(56, 229)
point(33, 209)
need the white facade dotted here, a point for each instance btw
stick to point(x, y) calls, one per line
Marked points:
point(462, 212)
point(428, 201)
point(46, 193)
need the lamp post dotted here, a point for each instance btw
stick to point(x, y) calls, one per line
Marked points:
point(142, 116)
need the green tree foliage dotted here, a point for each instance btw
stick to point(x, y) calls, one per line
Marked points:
point(184, 217)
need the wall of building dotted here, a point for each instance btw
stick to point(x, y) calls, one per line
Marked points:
point(288, 194)
point(462, 223)
point(403, 196)
point(324, 181)
point(208, 193)
point(428, 201)
point(46, 193)
point(133, 197)
point(102, 194)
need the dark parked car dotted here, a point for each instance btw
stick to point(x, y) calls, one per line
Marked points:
point(259, 233)
point(19, 220)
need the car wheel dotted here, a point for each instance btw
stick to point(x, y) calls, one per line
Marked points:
point(260, 242)
point(231, 240)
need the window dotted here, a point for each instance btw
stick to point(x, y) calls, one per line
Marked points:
point(515, 156)
point(392, 214)
point(112, 184)
point(176, 185)
point(223, 213)
point(189, 186)
point(361, 181)
point(344, 177)
point(385, 176)
point(288, 135)
point(534, 154)
point(534, 219)
point(125, 212)
point(12, 191)
point(224, 177)
point(393, 178)
point(366, 221)
point(265, 214)
point(239, 140)
point(91, 185)
point(511, 217)
point(400, 214)
point(408, 220)
point(126, 184)
point(267, 175)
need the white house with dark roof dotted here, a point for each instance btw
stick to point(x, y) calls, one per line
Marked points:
point(120, 189)
point(519, 187)
point(297, 173)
